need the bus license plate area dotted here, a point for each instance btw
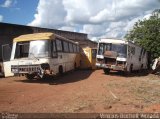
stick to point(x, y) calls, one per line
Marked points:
point(114, 67)
point(25, 69)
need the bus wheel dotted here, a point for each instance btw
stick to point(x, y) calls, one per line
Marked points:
point(30, 76)
point(106, 71)
point(75, 66)
point(141, 69)
point(131, 68)
point(60, 70)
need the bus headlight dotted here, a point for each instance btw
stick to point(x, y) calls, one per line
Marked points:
point(14, 70)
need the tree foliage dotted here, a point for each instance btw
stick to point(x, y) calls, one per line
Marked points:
point(146, 33)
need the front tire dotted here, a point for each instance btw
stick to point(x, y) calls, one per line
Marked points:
point(131, 69)
point(30, 76)
point(60, 70)
point(106, 71)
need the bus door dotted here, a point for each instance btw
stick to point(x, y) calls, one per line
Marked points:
point(6, 54)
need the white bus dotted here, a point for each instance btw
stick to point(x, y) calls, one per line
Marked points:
point(42, 54)
point(120, 55)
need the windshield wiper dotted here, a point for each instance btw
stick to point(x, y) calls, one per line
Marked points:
point(33, 56)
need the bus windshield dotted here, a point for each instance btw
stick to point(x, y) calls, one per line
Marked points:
point(121, 49)
point(31, 49)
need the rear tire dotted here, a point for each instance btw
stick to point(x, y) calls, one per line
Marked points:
point(141, 69)
point(60, 70)
point(106, 71)
point(75, 66)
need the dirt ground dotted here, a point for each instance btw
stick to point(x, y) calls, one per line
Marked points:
point(82, 91)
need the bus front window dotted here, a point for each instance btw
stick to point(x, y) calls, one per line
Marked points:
point(37, 48)
point(22, 49)
point(103, 47)
point(121, 49)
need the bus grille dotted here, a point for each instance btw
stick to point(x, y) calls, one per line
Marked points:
point(25, 68)
point(110, 61)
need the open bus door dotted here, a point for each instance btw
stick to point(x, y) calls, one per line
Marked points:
point(88, 58)
point(6, 64)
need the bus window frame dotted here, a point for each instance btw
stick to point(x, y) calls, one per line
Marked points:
point(57, 39)
point(74, 48)
point(94, 53)
point(78, 49)
point(64, 46)
point(56, 52)
point(18, 54)
point(70, 45)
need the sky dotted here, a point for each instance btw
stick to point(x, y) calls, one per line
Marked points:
point(97, 18)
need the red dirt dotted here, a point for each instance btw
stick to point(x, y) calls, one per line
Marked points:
point(81, 91)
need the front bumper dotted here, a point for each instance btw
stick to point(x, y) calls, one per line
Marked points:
point(25, 69)
point(112, 67)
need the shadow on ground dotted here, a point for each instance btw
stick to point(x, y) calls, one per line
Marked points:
point(69, 77)
point(133, 74)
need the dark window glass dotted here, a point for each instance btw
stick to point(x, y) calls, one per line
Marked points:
point(65, 46)
point(94, 53)
point(54, 51)
point(70, 47)
point(59, 45)
point(74, 48)
point(22, 50)
point(77, 48)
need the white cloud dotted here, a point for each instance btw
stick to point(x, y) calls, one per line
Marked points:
point(1, 18)
point(68, 28)
point(7, 3)
point(50, 13)
point(103, 18)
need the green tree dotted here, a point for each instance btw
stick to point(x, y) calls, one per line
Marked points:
point(146, 33)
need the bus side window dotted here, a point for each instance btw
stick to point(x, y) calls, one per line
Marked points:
point(54, 50)
point(74, 48)
point(101, 49)
point(94, 53)
point(59, 45)
point(133, 50)
point(70, 47)
point(77, 48)
point(65, 46)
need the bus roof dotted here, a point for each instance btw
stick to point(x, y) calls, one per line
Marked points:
point(39, 36)
point(108, 40)
point(35, 36)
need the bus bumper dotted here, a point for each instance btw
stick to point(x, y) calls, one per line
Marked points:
point(32, 69)
point(112, 67)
